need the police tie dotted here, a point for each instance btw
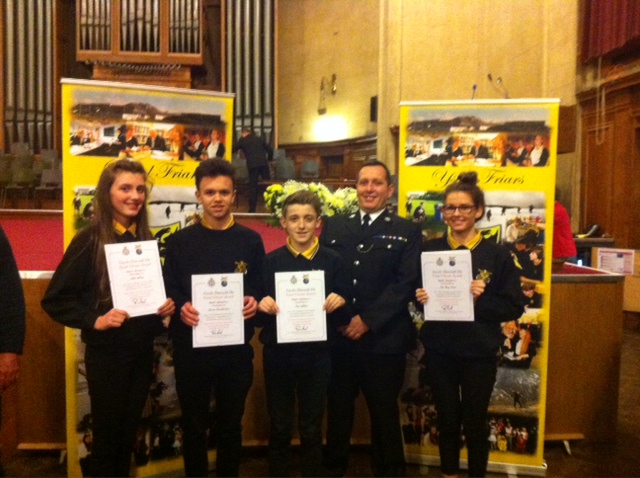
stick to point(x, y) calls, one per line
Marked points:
point(366, 220)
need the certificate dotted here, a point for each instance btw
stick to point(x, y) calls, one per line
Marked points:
point(135, 276)
point(300, 297)
point(219, 299)
point(446, 276)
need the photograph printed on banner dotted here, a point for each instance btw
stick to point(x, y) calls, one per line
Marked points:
point(513, 434)
point(140, 126)
point(474, 136)
point(516, 390)
point(522, 340)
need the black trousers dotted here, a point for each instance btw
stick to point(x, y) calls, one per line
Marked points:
point(119, 378)
point(228, 371)
point(462, 390)
point(380, 377)
point(288, 374)
point(254, 176)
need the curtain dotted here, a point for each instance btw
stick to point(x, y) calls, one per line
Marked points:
point(609, 27)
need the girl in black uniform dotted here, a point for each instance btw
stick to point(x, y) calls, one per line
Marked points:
point(461, 357)
point(119, 349)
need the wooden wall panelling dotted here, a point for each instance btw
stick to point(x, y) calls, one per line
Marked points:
point(610, 173)
point(355, 158)
point(633, 198)
point(567, 129)
point(9, 430)
point(622, 168)
point(597, 176)
point(338, 159)
point(33, 411)
point(41, 388)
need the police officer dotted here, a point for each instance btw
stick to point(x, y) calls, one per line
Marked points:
point(383, 253)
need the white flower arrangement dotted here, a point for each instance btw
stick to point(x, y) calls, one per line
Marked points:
point(342, 201)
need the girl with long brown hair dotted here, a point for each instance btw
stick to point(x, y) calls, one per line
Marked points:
point(119, 349)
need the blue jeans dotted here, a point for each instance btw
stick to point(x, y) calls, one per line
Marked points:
point(290, 371)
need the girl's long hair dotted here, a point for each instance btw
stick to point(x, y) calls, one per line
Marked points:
point(102, 230)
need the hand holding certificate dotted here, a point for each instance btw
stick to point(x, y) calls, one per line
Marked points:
point(219, 299)
point(446, 276)
point(300, 297)
point(135, 275)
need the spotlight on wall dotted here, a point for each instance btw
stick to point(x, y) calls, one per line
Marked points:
point(330, 128)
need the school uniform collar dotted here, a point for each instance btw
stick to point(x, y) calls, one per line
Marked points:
point(471, 245)
point(122, 230)
point(309, 253)
point(231, 222)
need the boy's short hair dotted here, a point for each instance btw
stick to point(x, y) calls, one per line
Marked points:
point(212, 168)
point(302, 197)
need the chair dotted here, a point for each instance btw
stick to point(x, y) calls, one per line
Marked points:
point(50, 159)
point(22, 161)
point(310, 170)
point(5, 162)
point(5, 179)
point(285, 169)
point(38, 167)
point(278, 154)
point(22, 182)
point(50, 186)
point(18, 149)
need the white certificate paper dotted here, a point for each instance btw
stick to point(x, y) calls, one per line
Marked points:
point(135, 275)
point(446, 276)
point(300, 297)
point(219, 299)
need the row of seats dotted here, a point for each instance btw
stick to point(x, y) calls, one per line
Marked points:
point(23, 178)
point(283, 168)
